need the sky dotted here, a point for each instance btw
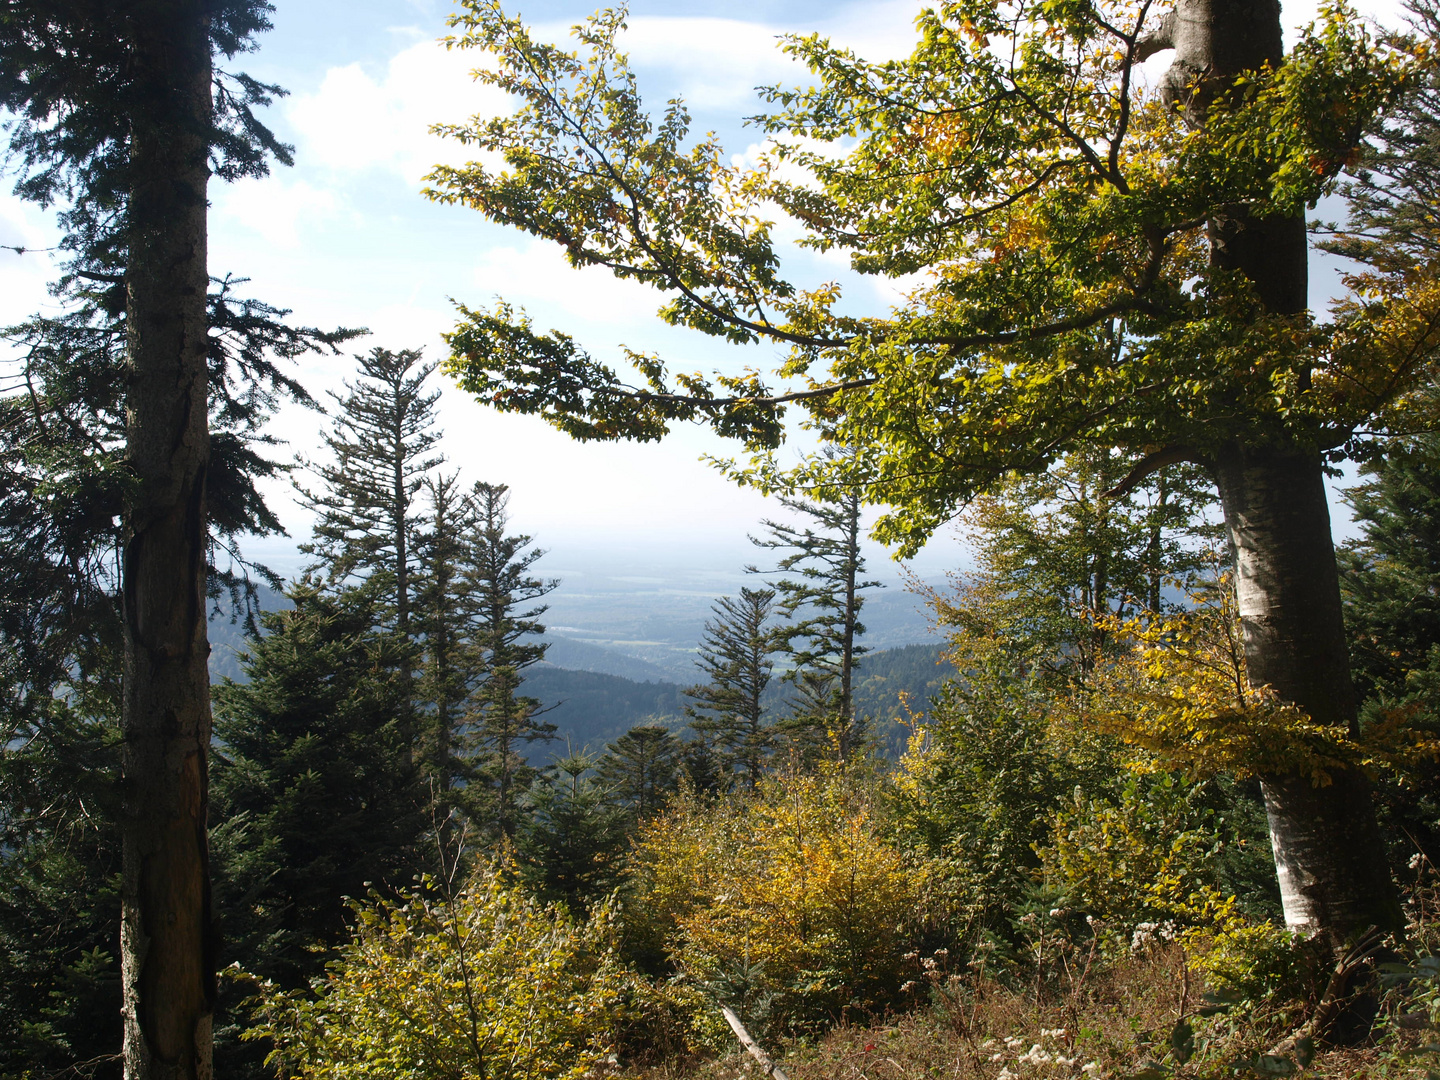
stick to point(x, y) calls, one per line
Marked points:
point(344, 238)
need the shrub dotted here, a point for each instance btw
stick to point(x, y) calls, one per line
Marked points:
point(787, 902)
point(485, 983)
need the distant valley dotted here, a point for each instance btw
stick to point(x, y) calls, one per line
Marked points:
point(622, 651)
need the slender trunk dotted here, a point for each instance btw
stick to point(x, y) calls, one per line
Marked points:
point(167, 942)
point(401, 525)
point(1156, 551)
point(847, 652)
point(1328, 853)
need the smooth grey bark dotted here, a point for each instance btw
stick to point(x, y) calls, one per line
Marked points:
point(1329, 860)
point(1329, 857)
point(167, 944)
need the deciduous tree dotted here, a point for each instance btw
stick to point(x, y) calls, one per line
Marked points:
point(1097, 264)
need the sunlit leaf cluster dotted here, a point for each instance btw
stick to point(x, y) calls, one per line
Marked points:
point(1049, 206)
point(792, 890)
point(1183, 693)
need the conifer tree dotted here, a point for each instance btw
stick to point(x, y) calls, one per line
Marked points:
point(505, 637)
point(444, 615)
point(573, 839)
point(1390, 580)
point(823, 602)
point(640, 769)
point(316, 795)
point(1056, 553)
point(121, 115)
point(735, 653)
point(382, 442)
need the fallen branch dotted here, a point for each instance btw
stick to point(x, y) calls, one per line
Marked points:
point(771, 1069)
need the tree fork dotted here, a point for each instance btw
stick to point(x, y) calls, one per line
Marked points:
point(167, 936)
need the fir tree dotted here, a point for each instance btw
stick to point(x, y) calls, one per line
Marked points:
point(443, 618)
point(823, 602)
point(573, 839)
point(382, 442)
point(505, 637)
point(60, 894)
point(640, 769)
point(735, 653)
point(316, 796)
point(1390, 579)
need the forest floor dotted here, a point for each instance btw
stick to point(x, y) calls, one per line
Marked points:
point(1141, 1018)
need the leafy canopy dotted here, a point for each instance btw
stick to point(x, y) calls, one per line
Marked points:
point(1051, 207)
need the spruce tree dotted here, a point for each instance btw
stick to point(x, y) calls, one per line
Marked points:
point(640, 769)
point(382, 443)
point(121, 114)
point(444, 615)
point(505, 639)
point(823, 603)
point(735, 653)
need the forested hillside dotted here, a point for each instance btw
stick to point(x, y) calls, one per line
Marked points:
point(590, 709)
point(1140, 785)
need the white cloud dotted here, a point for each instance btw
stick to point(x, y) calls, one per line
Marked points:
point(717, 63)
point(355, 122)
point(275, 209)
point(537, 276)
point(24, 276)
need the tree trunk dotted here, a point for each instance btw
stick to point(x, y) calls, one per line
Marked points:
point(167, 944)
point(1328, 854)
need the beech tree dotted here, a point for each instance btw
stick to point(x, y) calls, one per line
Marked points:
point(1096, 263)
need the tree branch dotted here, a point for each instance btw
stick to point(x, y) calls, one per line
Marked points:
point(1149, 465)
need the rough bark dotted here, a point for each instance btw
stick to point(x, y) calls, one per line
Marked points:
point(167, 947)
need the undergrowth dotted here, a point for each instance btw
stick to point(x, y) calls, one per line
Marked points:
point(1233, 1005)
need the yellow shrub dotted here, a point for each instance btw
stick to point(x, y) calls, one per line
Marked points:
point(790, 890)
point(488, 985)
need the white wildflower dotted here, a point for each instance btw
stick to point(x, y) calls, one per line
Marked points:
point(1036, 1055)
